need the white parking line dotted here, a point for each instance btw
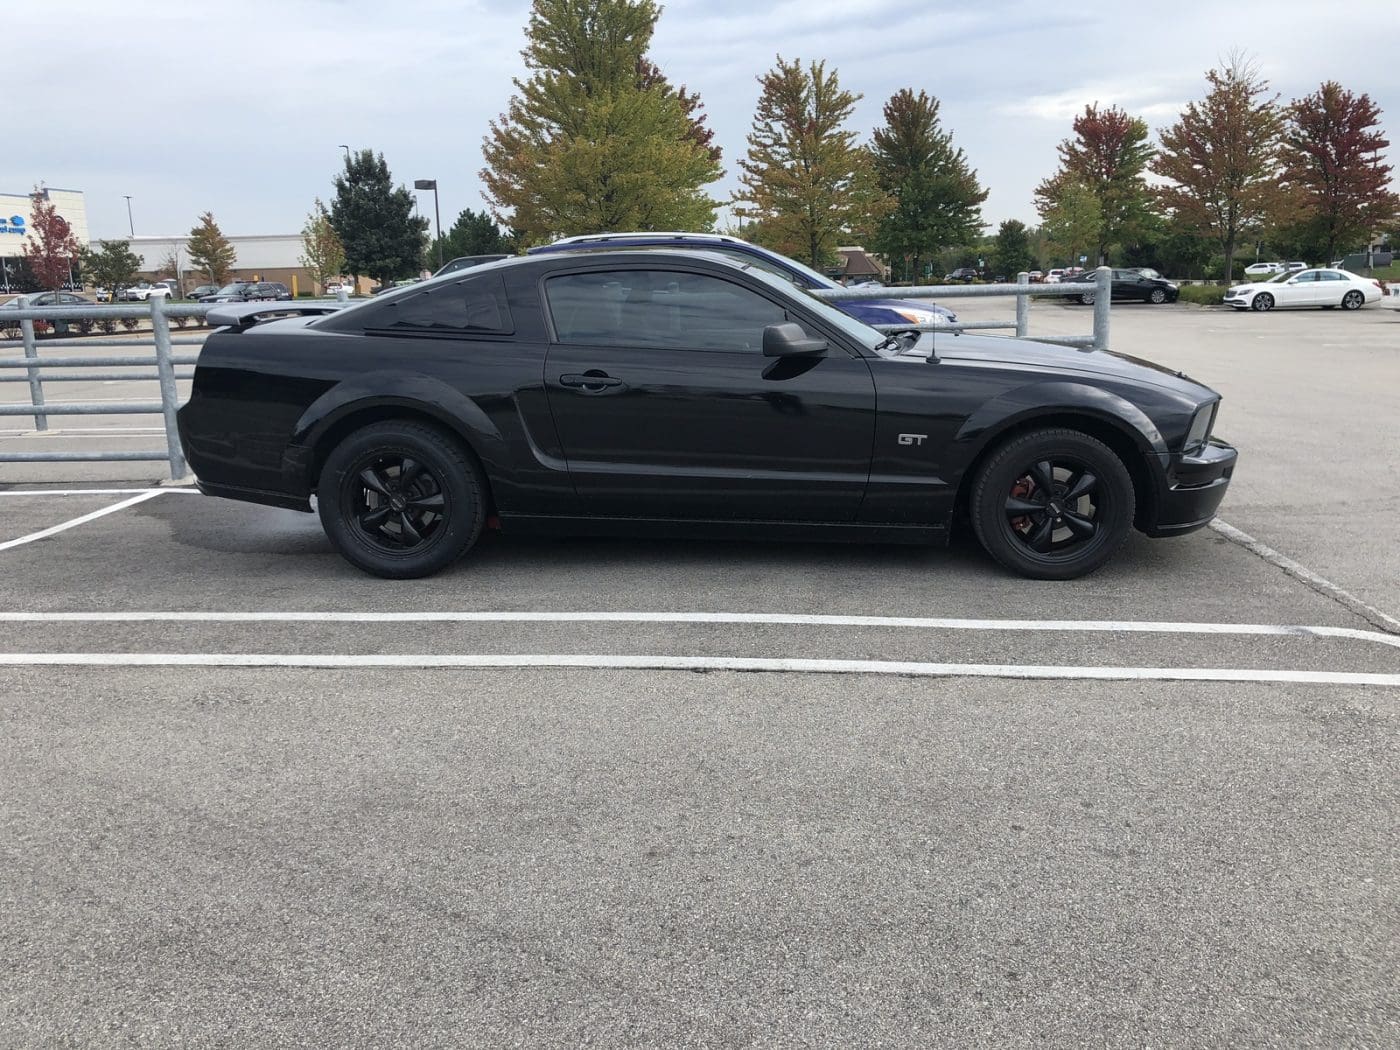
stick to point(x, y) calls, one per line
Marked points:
point(699, 663)
point(933, 623)
point(65, 526)
point(89, 492)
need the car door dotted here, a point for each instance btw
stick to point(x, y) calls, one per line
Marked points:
point(667, 408)
point(1128, 284)
point(1301, 289)
point(1331, 287)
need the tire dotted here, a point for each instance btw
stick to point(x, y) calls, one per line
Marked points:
point(1087, 298)
point(1353, 300)
point(1037, 474)
point(1262, 302)
point(1158, 297)
point(372, 515)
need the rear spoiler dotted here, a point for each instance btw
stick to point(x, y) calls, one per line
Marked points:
point(245, 315)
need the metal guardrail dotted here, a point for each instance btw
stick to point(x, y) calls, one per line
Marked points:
point(1100, 291)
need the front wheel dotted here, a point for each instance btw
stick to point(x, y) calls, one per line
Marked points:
point(1158, 297)
point(1053, 504)
point(1353, 301)
point(1262, 302)
point(401, 499)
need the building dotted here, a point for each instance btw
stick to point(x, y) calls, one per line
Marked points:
point(263, 257)
point(15, 211)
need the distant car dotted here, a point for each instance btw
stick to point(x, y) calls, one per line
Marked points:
point(1264, 269)
point(249, 291)
point(466, 262)
point(102, 295)
point(871, 311)
point(202, 290)
point(140, 292)
point(1322, 288)
point(1128, 285)
point(43, 299)
point(1294, 267)
point(1036, 276)
point(336, 287)
point(962, 275)
point(1054, 276)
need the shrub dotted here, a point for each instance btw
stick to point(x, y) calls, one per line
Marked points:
point(107, 324)
point(180, 321)
point(1203, 294)
point(130, 323)
point(85, 325)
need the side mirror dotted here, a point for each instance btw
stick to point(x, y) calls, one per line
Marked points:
point(789, 340)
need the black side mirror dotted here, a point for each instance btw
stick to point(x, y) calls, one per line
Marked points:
point(789, 340)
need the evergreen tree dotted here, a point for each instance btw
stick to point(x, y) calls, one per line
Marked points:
point(374, 220)
point(936, 201)
point(1108, 156)
point(474, 233)
point(1011, 251)
point(210, 251)
point(805, 184)
point(597, 139)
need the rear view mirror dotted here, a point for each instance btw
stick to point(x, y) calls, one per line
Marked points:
point(789, 340)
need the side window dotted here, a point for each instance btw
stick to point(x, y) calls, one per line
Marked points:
point(661, 309)
point(469, 307)
point(1306, 277)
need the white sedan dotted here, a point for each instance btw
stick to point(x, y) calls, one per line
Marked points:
point(1323, 288)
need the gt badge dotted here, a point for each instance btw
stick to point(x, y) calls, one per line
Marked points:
point(912, 439)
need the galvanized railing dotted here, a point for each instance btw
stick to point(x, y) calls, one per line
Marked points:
point(1100, 292)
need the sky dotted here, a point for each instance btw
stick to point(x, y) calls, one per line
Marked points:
point(242, 111)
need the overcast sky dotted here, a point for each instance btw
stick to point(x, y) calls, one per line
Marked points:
point(240, 109)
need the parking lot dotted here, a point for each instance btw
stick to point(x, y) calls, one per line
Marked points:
point(595, 792)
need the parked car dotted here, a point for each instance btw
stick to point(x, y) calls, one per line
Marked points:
point(11, 326)
point(1294, 267)
point(678, 392)
point(102, 295)
point(200, 291)
point(962, 275)
point(466, 262)
point(336, 287)
point(1264, 269)
point(1054, 276)
point(140, 292)
point(1128, 286)
point(1036, 276)
point(871, 311)
point(1324, 287)
point(249, 291)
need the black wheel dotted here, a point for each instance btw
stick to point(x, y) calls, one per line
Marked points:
point(1353, 301)
point(1261, 302)
point(1052, 504)
point(1158, 297)
point(401, 499)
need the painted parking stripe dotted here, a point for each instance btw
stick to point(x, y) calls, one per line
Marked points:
point(65, 526)
point(92, 492)
point(931, 623)
point(698, 663)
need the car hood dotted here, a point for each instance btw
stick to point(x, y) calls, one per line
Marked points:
point(1051, 359)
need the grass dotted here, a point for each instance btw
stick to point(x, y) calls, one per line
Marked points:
point(1203, 294)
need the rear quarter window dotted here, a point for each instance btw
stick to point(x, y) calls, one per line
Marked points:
point(474, 306)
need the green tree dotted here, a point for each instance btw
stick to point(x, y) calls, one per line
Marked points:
point(597, 138)
point(113, 265)
point(1073, 221)
point(1012, 252)
point(1108, 155)
point(1221, 158)
point(1333, 158)
point(210, 251)
point(374, 220)
point(474, 233)
point(805, 183)
point(322, 253)
point(935, 199)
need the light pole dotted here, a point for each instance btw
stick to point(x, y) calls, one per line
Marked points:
point(129, 224)
point(431, 184)
point(347, 154)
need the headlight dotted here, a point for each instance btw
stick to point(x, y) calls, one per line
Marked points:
point(918, 316)
point(1201, 425)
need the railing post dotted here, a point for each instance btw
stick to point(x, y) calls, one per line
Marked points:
point(342, 294)
point(169, 395)
point(1023, 306)
point(1103, 298)
point(31, 352)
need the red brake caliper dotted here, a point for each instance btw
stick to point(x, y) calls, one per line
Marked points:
point(1022, 489)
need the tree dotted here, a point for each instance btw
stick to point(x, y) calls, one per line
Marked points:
point(113, 265)
point(805, 182)
point(169, 264)
point(321, 250)
point(1012, 252)
point(474, 233)
point(1332, 157)
point(597, 138)
point(936, 201)
point(210, 251)
point(50, 249)
point(375, 220)
point(1108, 155)
point(1073, 222)
point(1221, 158)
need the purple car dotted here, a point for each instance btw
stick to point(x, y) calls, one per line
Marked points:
point(871, 311)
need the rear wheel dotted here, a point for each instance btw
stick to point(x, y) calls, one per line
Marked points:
point(1261, 302)
point(1052, 504)
point(401, 499)
point(1353, 301)
point(1087, 298)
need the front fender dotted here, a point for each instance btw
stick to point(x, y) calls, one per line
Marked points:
point(375, 391)
point(1059, 397)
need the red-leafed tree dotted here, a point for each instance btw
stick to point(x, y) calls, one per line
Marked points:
point(1108, 156)
point(50, 248)
point(1332, 159)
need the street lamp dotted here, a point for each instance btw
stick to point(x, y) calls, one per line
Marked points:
point(431, 184)
point(130, 225)
point(347, 153)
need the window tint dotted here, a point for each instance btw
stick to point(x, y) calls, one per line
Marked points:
point(1330, 275)
point(470, 306)
point(1307, 277)
point(658, 308)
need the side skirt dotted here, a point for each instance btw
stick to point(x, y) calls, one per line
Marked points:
point(801, 531)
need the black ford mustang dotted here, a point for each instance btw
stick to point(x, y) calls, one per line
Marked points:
point(682, 393)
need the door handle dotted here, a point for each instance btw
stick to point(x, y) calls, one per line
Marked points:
point(589, 381)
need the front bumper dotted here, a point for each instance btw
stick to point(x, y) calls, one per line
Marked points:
point(1193, 490)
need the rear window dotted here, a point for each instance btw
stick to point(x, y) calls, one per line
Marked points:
point(476, 305)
